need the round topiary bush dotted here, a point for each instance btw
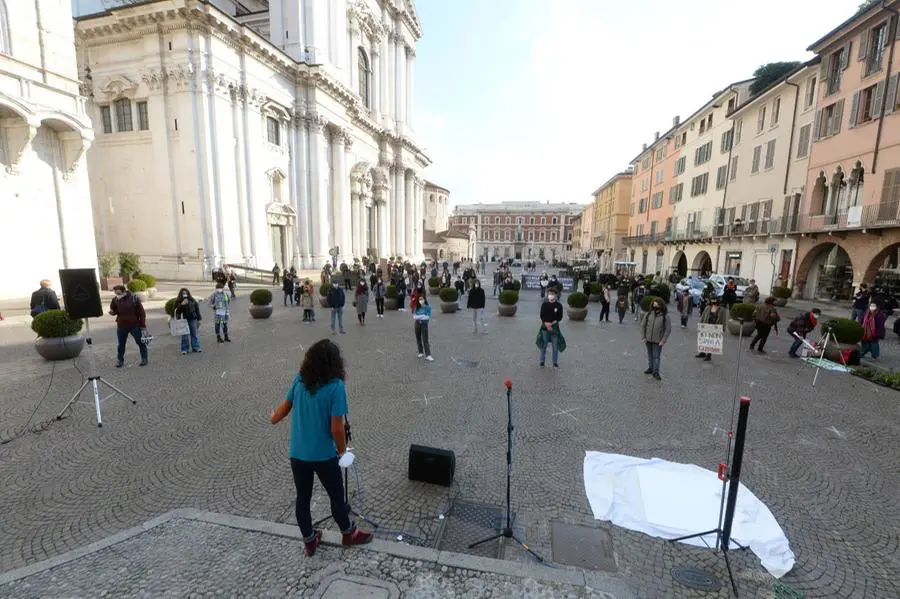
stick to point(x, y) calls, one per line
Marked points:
point(509, 297)
point(577, 300)
point(516, 285)
point(323, 290)
point(170, 307)
point(744, 311)
point(53, 324)
point(782, 292)
point(449, 294)
point(261, 297)
point(136, 286)
point(645, 303)
point(390, 292)
point(661, 290)
point(149, 279)
point(434, 282)
point(846, 330)
point(597, 288)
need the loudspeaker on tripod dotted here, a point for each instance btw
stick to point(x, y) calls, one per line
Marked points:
point(431, 465)
point(81, 292)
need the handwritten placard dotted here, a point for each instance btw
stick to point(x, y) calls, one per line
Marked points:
point(710, 338)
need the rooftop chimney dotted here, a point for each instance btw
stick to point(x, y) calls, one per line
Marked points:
point(645, 148)
point(656, 136)
point(676, 121)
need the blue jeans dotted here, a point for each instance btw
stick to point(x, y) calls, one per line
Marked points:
point(122, 334)
point(869, 346)
point(337, 314)
point(795, 346)
point(190, 341)
point(654, 353)
point(548, 338)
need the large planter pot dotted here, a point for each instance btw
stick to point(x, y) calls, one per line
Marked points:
point(781, 302)
point(577, 313)
point(107, 283)
point(323, 302)
point(144, 296)
point(734, 327)
point(504, 310)
point(391, 303)
point(449, 307)
point(434, 290)
point(595, 297)
point(59, 348)
point(260, 311)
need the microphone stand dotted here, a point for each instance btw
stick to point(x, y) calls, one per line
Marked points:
point(507, 531)
point(352, 513)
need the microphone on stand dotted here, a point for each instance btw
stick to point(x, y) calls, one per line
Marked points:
point(508, 384)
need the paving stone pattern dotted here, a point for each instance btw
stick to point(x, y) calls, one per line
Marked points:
point(823, 459)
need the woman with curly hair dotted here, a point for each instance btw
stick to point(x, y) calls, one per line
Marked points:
point(317, 402)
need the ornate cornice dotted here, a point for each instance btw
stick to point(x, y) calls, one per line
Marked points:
point(317, 122)
point(179, 75)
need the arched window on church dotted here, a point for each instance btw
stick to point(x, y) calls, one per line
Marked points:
point(5, 39)
point(364, 77)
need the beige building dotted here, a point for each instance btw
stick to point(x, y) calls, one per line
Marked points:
point(582, 234)
point(441, 241)
point(609, 225)
point(437, 207)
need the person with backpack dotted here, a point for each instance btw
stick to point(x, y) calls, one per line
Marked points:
point(802, 326)
point(130, 320)
point(44, 299)
point(766, 317)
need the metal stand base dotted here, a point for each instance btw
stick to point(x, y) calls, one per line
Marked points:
point(718, 533)
point(350, 511)
point(507, 533)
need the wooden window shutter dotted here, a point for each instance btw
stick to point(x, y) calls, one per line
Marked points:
point(854, 109)
point(889, 31)
point(838, 117)
point(863, 44)
point(845, 56)
point(877, 100)
point(823, 69)
point(891, 94)
point(817, 127)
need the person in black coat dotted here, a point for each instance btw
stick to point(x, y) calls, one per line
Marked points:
point(44, 299)
point(187, 308)
point(476, 303)
point(336, 299)
point(287, 285)
point(551, 316)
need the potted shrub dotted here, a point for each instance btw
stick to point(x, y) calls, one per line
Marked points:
point(260, 303)
point(508, 300)
point(170, 307)
point(744, 311)
point(596, 292)
point(58, 335)
point(129, 264)
point(577, 306)
point(139, 288)
point(434, 285)
point(662, 291)
point(449, 296)
point(323, 292)
point(150, 280)
point(390, 298)
point(848, 334)
point(108, 263)
point(781, 295)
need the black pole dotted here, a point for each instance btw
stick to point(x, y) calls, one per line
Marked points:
point(735, 478)
point(509, 431)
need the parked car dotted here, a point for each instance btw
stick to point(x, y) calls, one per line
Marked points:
point(694, 285)
point(720, 280)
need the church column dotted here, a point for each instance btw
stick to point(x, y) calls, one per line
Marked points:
point(420, 208)
point(319, 186)
point(345, 144)
point(387, 84)
point(355, 213)
point(400, 209)
point(410, 195)
point(375, 84)
point(399, 72)
point(410, 85)
point(353, 24)
point(301, 174)
point(381, 219)
point(243, 225)
point(336, 147)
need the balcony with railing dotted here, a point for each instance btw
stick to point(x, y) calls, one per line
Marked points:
point(874, 216)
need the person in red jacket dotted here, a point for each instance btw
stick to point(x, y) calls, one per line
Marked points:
point(130, 320)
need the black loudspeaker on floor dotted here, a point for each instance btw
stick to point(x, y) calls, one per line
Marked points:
point(431, 465)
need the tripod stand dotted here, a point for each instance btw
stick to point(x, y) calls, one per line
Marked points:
point(350, 511)
point(507, 532)
point(94, 381)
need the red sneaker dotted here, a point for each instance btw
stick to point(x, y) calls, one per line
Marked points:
point(356, 537)
point(311, 546)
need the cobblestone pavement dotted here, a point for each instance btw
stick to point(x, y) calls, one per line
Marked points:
point(823, 459)
point(207, 554)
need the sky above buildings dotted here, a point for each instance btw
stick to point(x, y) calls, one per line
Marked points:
point(544, 100)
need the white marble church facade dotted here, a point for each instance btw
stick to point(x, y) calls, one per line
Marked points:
point(255, 136)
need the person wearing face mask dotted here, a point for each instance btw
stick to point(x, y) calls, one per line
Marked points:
point(549, 334)
point(872, 322)
point(306, 301)
point(379, 290)
point(421, 316)
point(712, 315)
point(219, 301)
point(130, 320)
point(335, 300)
point(802, 326)
point(476, 303)
point(186, 307)
point(655, 329)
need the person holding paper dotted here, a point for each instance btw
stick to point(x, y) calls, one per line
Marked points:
point(712, 315)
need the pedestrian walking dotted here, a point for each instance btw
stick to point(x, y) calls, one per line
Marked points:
point(130, 320)
point(685, 303)
point(476, 303)
point(220, 302)
point(622, 307)
point(317, 404)
point(361, 301)
point(549, 333)
point(275, 274)
point(766, 317)
point(379, 290)
point(712, 315)
point(307, 301)
point(187, 308)
point(605, 297)
point(873, 330)
point(336, 299)
point(729, 294)
point(655, 330)
point(421, 317)
point(287, 286)
point(802, 326)
point(858, 308)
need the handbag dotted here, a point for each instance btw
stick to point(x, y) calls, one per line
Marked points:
point(179, 327)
